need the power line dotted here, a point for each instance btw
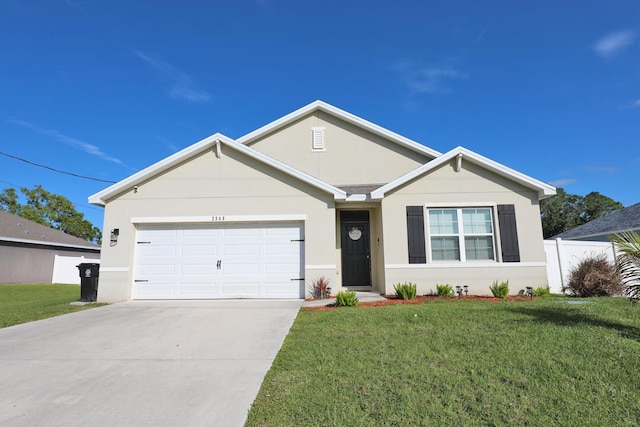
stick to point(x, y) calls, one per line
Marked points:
point(57, 170)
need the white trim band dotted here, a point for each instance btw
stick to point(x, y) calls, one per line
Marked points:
point(320, 267)
point(216, 219)
point(467, 265)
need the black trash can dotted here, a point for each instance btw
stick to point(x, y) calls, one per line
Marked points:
point(88, 281)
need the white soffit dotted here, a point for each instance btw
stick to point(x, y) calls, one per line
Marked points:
point(197, 148)
point(544, 190)
point(341, 114)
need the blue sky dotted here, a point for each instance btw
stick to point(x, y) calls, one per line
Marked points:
point(106, 88)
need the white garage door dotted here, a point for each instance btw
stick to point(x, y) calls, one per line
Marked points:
point(219, 261)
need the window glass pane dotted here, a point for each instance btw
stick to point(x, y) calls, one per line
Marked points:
point(478, 247)
point(443, 221)
point(445, 249)
point(477, 221)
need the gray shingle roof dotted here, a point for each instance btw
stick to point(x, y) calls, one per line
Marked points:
point(624, 219)
point(13, 227)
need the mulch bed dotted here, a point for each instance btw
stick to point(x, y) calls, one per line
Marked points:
point(392, 299)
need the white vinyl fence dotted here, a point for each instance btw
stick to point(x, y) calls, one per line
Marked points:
point(65, 269)
point(564, 255)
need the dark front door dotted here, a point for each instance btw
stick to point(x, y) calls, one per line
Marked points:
point(356, 251)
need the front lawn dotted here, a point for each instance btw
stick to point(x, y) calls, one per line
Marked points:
point(538, 363)
point(25, 303)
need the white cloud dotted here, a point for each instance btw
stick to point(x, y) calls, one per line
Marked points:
point(76, 143)
point(614, 43)
point(427, 79)
point(563, 182)
point(182, 85)
point(635, 104)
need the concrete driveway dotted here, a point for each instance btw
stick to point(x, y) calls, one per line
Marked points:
point(157, 363)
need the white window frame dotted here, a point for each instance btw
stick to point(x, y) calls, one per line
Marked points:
point(461, 234)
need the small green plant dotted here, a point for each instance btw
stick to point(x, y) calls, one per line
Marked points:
point(346, 299)
point(406, 290)
point(320, 289)
point(541, 292)
point(500, 290)
point(444, 290)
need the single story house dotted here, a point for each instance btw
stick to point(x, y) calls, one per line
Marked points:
point(318, 193)
point(626, 219)
point(28, 250)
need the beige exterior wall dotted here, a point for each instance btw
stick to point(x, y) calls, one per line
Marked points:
point(352, 155)
point(472, 185)
point(207, 186)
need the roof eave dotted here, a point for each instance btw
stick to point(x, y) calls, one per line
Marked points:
point(544, 190)
point(101, 197)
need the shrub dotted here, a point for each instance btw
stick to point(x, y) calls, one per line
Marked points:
point(500, 290)
point(346, 299)
point(541, 292)
point(320, 289)
point(594, 276)
point(444, 290)
point(406, 290)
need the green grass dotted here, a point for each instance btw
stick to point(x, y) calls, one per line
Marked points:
point(25, 303)
point(536, 363)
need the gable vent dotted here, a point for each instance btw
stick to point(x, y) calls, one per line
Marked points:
point(317, 138)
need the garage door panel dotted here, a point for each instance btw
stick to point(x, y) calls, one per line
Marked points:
point(282, 249)
point(246, 289)
point(245, 249)
point(240, 231)
point(155, 290)
point(200, 232)
point(240, 269)
point(256, 261)
point(157, 250)
point(199, 250)
point(159, 232)
point(160, 270)
point(197, 270)
point(200, 290)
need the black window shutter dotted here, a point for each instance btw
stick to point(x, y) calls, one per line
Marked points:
point(415, 235)
point(508, 233)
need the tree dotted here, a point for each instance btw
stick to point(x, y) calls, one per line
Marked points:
point(565, 211)
point(53, 210)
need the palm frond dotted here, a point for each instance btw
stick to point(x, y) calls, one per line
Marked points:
point(628, 243)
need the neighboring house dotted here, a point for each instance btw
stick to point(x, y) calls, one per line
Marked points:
point(318, 192)
point(28, 250)
point(626, 219)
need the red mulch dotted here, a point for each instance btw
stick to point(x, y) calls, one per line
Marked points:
point(392, 299)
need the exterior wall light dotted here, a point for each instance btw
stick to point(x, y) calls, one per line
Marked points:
point(115, 232)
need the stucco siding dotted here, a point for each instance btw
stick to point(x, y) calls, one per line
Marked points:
point(208, 187)
point(471, 186)
point(352, 155)
point(23, 263)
